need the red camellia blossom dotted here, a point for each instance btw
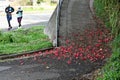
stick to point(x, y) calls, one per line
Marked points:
point(92, 45)
point(67, 41)
point(76, 55)
point(69, 61)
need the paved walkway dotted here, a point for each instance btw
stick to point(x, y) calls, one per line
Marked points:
point(27, 21)
point(76, 17)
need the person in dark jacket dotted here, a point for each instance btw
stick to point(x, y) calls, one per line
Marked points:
point(9, 10)
point(19, 16)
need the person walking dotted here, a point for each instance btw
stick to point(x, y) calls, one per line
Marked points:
point(9, 10)
point(19, 16)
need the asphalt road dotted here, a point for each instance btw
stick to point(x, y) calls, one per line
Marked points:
point(35, 18)
point(43, 68)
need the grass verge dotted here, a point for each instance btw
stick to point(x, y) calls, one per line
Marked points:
point(23, 40)
point(109, 12)
point(39, 9)
point(111, 71)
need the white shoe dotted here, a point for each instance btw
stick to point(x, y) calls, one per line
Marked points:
point(19, 27)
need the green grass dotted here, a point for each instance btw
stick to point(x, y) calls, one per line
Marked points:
point(109, 12)
point(23, 40)
point(41, 9)
point(111, 71)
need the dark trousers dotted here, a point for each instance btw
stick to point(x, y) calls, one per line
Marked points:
point(19, 19)
point(9, 18)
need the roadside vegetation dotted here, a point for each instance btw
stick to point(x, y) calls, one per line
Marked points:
point(39, 9)
point(109, 12)
point(23, 40)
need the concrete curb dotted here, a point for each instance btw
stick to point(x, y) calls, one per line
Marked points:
point(3, 57)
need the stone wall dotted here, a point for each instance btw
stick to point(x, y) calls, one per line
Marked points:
point(50, 29)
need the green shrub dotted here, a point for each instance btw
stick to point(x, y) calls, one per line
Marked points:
point(111, 71)
point(109, 12)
